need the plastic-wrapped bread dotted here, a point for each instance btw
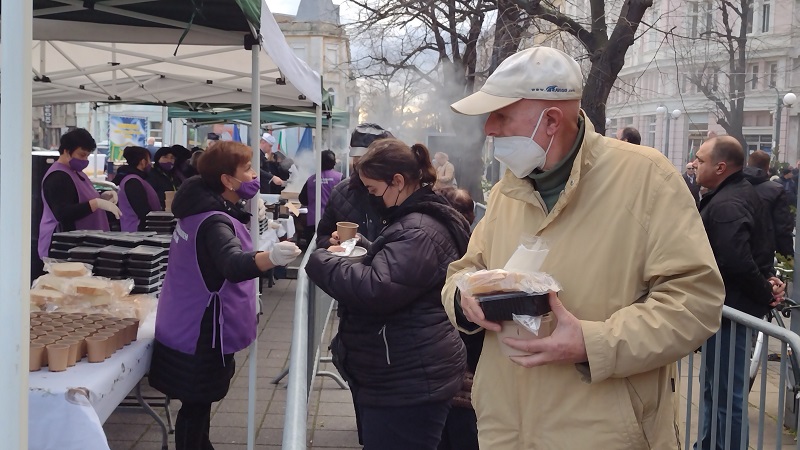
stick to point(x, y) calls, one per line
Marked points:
point(92, 286)
point(42, 296)
point(69, 269)
point(492, 281)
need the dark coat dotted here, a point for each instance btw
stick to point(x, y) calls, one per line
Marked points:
point(735, 222)
point(790, 187)
point(693, 186)
point(349, 202)
point(204, 377)
point(162, 182)
point(777, 208)
point(395, 344)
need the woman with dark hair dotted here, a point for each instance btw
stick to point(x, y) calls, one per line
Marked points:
point(136, 197)
point(70, 200)
point(329, 179)
point(403, 359)
point(210, 281)
point(162, 177)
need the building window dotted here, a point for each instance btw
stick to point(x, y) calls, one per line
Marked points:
point(753, 76)
point(709, 16)
point(332, 56)
point(155, 130)
point(758, 142)
point(650, 137)
point(750, 17)
point(694, 19)
point(765, 16)
point(773, 75)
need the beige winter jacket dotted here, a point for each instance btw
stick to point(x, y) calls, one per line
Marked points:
point(628, 246)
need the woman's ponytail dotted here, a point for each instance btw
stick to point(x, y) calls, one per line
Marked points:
point(426, 170)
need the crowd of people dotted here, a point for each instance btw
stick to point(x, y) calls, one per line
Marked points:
point(644, 273)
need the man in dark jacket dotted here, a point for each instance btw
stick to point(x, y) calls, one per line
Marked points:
point(735, 220)
point(349, 200)
point(789, 185)
point(691, 181)
point(775, 203)
point(268, 178)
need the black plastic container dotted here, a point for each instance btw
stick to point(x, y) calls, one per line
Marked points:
point(146, 281)
point(70, 237)
point(110, 263)
point(145, 264)
point(61, 255)
point(147, 289)
point(114, 252)
point(160, 216)
point(500, 307)
point(84, 253)
point(146, 273)
point(147, 253)
point(109, 272)
point(158, 240)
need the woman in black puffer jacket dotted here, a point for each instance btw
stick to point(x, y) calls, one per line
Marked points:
point(403, 359)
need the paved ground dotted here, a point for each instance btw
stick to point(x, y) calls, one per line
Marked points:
point(331, 423)
point(331, 409)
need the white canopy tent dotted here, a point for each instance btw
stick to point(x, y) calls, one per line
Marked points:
point(122, 51)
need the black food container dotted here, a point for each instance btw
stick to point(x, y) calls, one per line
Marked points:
point(501, 307)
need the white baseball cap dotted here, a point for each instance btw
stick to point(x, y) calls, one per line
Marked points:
point(269, 138)
point(537, 73)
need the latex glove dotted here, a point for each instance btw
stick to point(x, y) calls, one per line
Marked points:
point(110, 196)
point(274, 224)
point(283, 253)
point(262, 210)
point(108, 206)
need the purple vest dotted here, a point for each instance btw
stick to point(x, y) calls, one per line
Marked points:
point(330, 178)
point(129, 221)
point(185, 297)
point(86, 191)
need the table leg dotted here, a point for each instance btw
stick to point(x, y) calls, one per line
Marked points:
point(146, 407)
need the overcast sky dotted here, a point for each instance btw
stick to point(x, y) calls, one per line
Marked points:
point(283, 6)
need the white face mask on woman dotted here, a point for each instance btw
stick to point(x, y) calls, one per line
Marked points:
point(520, 154)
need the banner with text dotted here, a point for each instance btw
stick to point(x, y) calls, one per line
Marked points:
point(124, 131)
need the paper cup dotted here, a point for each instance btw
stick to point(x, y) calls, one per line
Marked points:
point(96, 346)
point(58, 357)
point(35, 362)
point(346, 230)
point(74, 350)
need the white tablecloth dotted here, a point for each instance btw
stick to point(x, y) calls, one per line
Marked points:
point(271, 237)
point(62, 417)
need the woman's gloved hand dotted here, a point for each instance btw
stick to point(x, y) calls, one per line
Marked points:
point(110, 196)
point(283, 253)
point(107, 206)
point(274, 224)
point(262, 210)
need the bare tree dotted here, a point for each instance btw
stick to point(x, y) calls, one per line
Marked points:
point(606, 52)
point(719, 51)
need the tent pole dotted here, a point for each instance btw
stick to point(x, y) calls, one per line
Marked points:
point(166, 140)
point(255, 128)
point(15, 198)
point(96, 133)
point(318, 162)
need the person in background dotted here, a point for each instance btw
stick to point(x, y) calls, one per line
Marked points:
point(402, 359)
point(349, 200)
point(211, 139)
point(210, 281)
point(461, 428)
point(279, 166)
point(773, 196)
point(182, 168)
point(151, 147)
point(647, 293)
point(734, 221)
point(630, 134)
point(136, 197)
point(70, 200)
point(196, 153)
point(266, 144)
point(162, 177)
point(329, 178)
point(445, 171)
point(691, 182)
point(789, 185)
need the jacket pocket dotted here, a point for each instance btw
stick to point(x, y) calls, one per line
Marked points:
point(628, 415)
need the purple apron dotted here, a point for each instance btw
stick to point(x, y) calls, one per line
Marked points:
point(185, 297)
point(86, 191)
point(129, 220)
point(330, 178)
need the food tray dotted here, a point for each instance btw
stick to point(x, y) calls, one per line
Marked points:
point(63, 246)
point(110, 263)
point(114, 252)
point(61, 255)
point(160, 216)
point(158, 240)
point(500, 307)
point(72, 237)
point(109, 272)
point(126, 241)
point(83, 252)
point(146, 281)
point(146, 264)
point(82, 260)
point(147, 289)
point(147, 253)
point(146, 273)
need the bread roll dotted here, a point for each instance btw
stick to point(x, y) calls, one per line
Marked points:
point(69, 270)
point(41, 296)
point(92, 286)
point(493, 281)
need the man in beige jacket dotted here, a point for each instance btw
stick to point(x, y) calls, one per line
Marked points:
point(640, 285)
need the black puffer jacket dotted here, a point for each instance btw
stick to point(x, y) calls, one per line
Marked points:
point(735, 221)
point(203, 377)
point(349, 202)
point(395, 344)
point(777, 207)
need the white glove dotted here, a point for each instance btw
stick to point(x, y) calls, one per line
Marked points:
point(274, 224)
point(283, 253)
point(262, 210)
point(108, 206)
point(110, 196)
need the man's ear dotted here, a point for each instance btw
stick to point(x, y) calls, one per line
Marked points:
point(553, 119)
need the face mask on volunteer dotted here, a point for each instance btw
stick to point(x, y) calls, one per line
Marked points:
point(522, 155)
point(247, 189)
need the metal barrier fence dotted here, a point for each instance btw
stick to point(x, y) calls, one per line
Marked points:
point(728, 363)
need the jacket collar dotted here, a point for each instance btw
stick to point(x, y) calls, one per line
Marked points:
point(523, 190)
point(732, 178)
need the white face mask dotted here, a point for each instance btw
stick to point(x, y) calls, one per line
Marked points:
point(520, 154)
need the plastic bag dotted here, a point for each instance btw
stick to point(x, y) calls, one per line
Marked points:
point(347, 247)
point(66, 269)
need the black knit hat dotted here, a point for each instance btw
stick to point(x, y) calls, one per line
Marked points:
point(364, 135)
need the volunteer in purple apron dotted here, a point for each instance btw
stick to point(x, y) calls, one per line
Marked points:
point(136, 196)
point(308, 195)
point(70, 199)
point(206, 311)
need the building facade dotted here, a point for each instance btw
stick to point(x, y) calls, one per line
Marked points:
point(665, 62)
